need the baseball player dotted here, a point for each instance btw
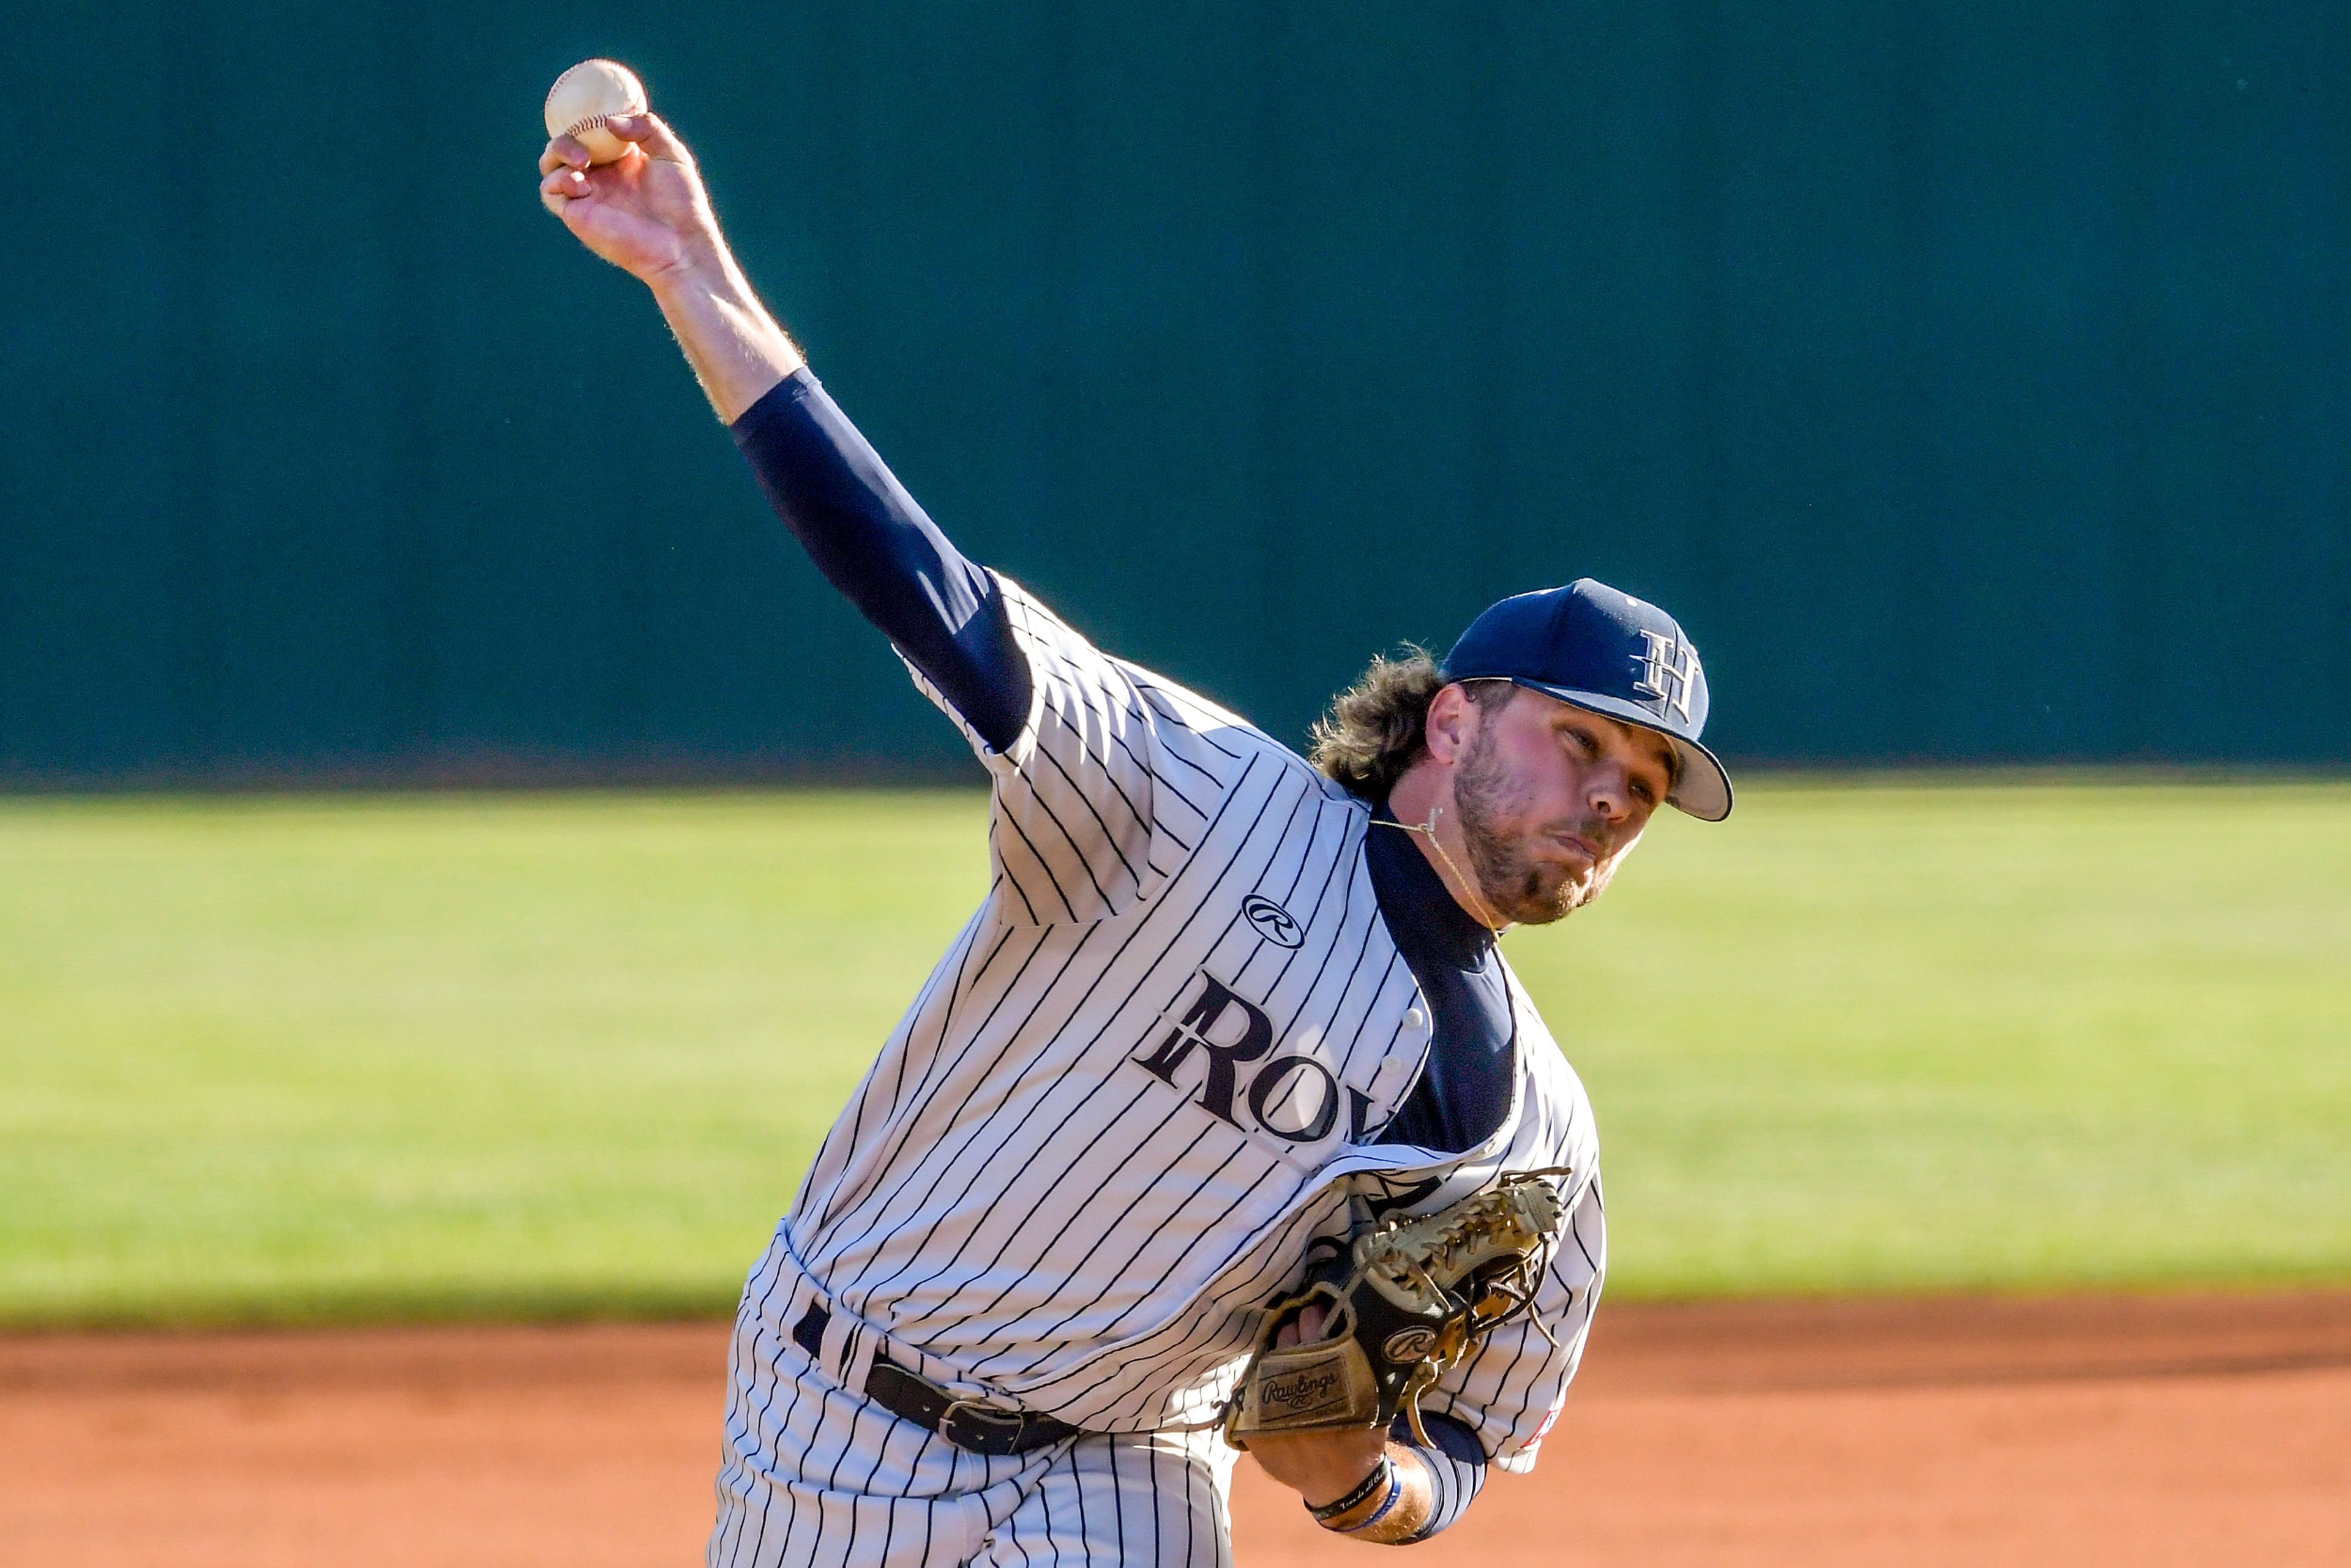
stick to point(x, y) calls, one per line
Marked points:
point(1224, 1122)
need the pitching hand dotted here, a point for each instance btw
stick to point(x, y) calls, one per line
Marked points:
point(646, 212)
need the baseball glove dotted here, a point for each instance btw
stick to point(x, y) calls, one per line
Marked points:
point(1403, 1302)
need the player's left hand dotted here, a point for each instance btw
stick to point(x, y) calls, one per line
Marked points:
point(646, 212)
point(1320, 1467)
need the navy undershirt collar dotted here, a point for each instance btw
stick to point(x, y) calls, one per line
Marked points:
point(1464, 1091)
point(1412, 895)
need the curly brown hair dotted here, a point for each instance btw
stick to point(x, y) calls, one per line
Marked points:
point(1377, 728)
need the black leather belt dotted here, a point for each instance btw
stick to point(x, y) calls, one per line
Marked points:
point(976, 1428)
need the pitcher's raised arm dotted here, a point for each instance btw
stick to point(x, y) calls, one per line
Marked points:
point(1088, 753)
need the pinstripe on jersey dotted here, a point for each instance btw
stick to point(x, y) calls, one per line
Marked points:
point(1153, 1065)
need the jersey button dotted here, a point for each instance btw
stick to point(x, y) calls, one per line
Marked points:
point(1414, 1018)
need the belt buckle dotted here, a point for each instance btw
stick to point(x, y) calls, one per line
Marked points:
point(992, 1419)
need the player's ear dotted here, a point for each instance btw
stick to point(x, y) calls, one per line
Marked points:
point(1446, 732)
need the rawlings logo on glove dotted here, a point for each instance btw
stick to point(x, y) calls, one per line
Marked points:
point(1401, 1303)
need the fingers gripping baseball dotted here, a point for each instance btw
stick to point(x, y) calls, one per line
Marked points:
point(645, 212)
point(651, 135)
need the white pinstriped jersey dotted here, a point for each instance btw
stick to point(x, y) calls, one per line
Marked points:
point(1150, 1069)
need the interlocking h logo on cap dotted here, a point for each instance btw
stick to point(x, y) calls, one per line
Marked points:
point(1669, 669)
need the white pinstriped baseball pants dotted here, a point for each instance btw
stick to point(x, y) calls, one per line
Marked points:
point(816, 1475)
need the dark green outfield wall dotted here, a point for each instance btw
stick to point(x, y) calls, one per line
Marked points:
point(1974, 380)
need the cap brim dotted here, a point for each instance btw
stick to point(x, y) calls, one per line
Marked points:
point(1704, 789)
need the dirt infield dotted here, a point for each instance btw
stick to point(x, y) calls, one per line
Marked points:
point(2143, 1431)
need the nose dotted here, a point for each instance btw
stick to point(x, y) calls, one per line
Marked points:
point(1608, 792)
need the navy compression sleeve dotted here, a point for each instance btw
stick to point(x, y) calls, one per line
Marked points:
point(872, 542)
point(1458, 1464)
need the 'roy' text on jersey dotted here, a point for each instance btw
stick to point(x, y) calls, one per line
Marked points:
point(1219, 1048)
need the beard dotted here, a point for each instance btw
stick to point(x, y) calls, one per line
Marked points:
point(1521, 889)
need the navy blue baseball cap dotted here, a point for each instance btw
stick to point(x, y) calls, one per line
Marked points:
point(1610, 653)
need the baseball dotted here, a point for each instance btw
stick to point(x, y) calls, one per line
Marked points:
point(587, 94)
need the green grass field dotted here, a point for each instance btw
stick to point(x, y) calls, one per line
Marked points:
point(346, 1058)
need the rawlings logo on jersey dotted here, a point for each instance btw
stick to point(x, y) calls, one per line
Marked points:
point(1273, 921)
point(1219, 1050)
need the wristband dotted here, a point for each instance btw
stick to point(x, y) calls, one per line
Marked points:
point(1387, 1506)
point(1383, 1480)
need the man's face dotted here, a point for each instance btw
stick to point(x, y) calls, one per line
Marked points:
point(1550, 799)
